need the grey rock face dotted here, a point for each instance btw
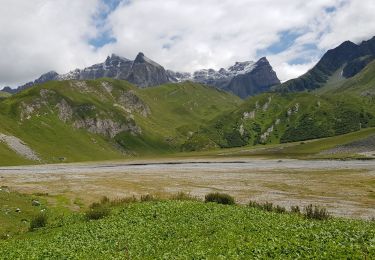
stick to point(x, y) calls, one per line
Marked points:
point(133, 103)
point(243, 78)
point(106, 126)
point(113, 67)
point(145, 72)
point(52, 75)
point(142, 72)
point(258, 80)
point(65, 111)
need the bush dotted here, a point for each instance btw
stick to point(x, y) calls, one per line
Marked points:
point(295, 209)
point(39, 221)
point(123, 201)
point(184, 196)
point(279, 209)
point(267, 206)
point(220, 198)
point(315, 212)
point(97, 212)
point(148, 197)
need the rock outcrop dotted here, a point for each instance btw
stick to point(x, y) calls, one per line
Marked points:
point(106, 126)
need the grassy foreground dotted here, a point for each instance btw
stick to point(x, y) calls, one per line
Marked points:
point(195, 230)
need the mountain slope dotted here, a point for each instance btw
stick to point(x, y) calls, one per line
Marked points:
point(63, 120)
point(362, 84)
point(349, 58)
point(289, 117)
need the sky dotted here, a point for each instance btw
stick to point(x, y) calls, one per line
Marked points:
point(43, 35)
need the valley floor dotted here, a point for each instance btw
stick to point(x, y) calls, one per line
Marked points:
point(346, 188)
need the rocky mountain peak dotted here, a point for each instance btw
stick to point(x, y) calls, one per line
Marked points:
point(140, 58)
point(115, 60)
point(252, 78)
point(263, 60)
point(144, 72)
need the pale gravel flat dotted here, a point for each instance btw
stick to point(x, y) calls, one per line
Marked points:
point(346, 188)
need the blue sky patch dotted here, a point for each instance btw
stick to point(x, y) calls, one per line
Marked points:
point(287, 39)
point(330, 9)
point(105, 35)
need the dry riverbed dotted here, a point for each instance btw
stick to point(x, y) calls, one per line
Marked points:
point(346, 188)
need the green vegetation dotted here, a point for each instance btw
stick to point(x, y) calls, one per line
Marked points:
point(220, 198)
point(301, 150)
point(39, 221)
point(316, 212)
point(268, 206)
point(188, 229)
point(110, 119)
point(283, 118)
point(16, 212)
point(62, 121)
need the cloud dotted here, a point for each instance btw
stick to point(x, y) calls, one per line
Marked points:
point(41, 35)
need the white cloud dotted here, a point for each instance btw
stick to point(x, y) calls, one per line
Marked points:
point(210, 33)
point(41, 35)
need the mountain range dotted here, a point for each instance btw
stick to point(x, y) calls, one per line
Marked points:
point(243, 78)
point(110, 109)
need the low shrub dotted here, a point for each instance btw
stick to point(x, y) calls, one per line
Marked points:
point(104, 200)
point(97, 212)
point(221, 198)
point(39, 221)
point(148, 197)
point(267, 206)
point(316, 212)
point(254, 204)
point(123, 201)
point(279, 209)
point(184, 196)
point(295, 209)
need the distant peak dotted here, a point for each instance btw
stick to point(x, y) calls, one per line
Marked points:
point(140, 57)
point(115, 57)
point(263, 60)
point(52, 72)
point(347, 44)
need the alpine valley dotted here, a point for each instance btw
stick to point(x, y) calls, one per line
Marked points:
point(122, 108)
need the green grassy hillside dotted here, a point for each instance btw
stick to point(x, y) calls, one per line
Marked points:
point(339, 107)
point(195, 230)
point(362, 84)
point(279, 118)
point(106, 119)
